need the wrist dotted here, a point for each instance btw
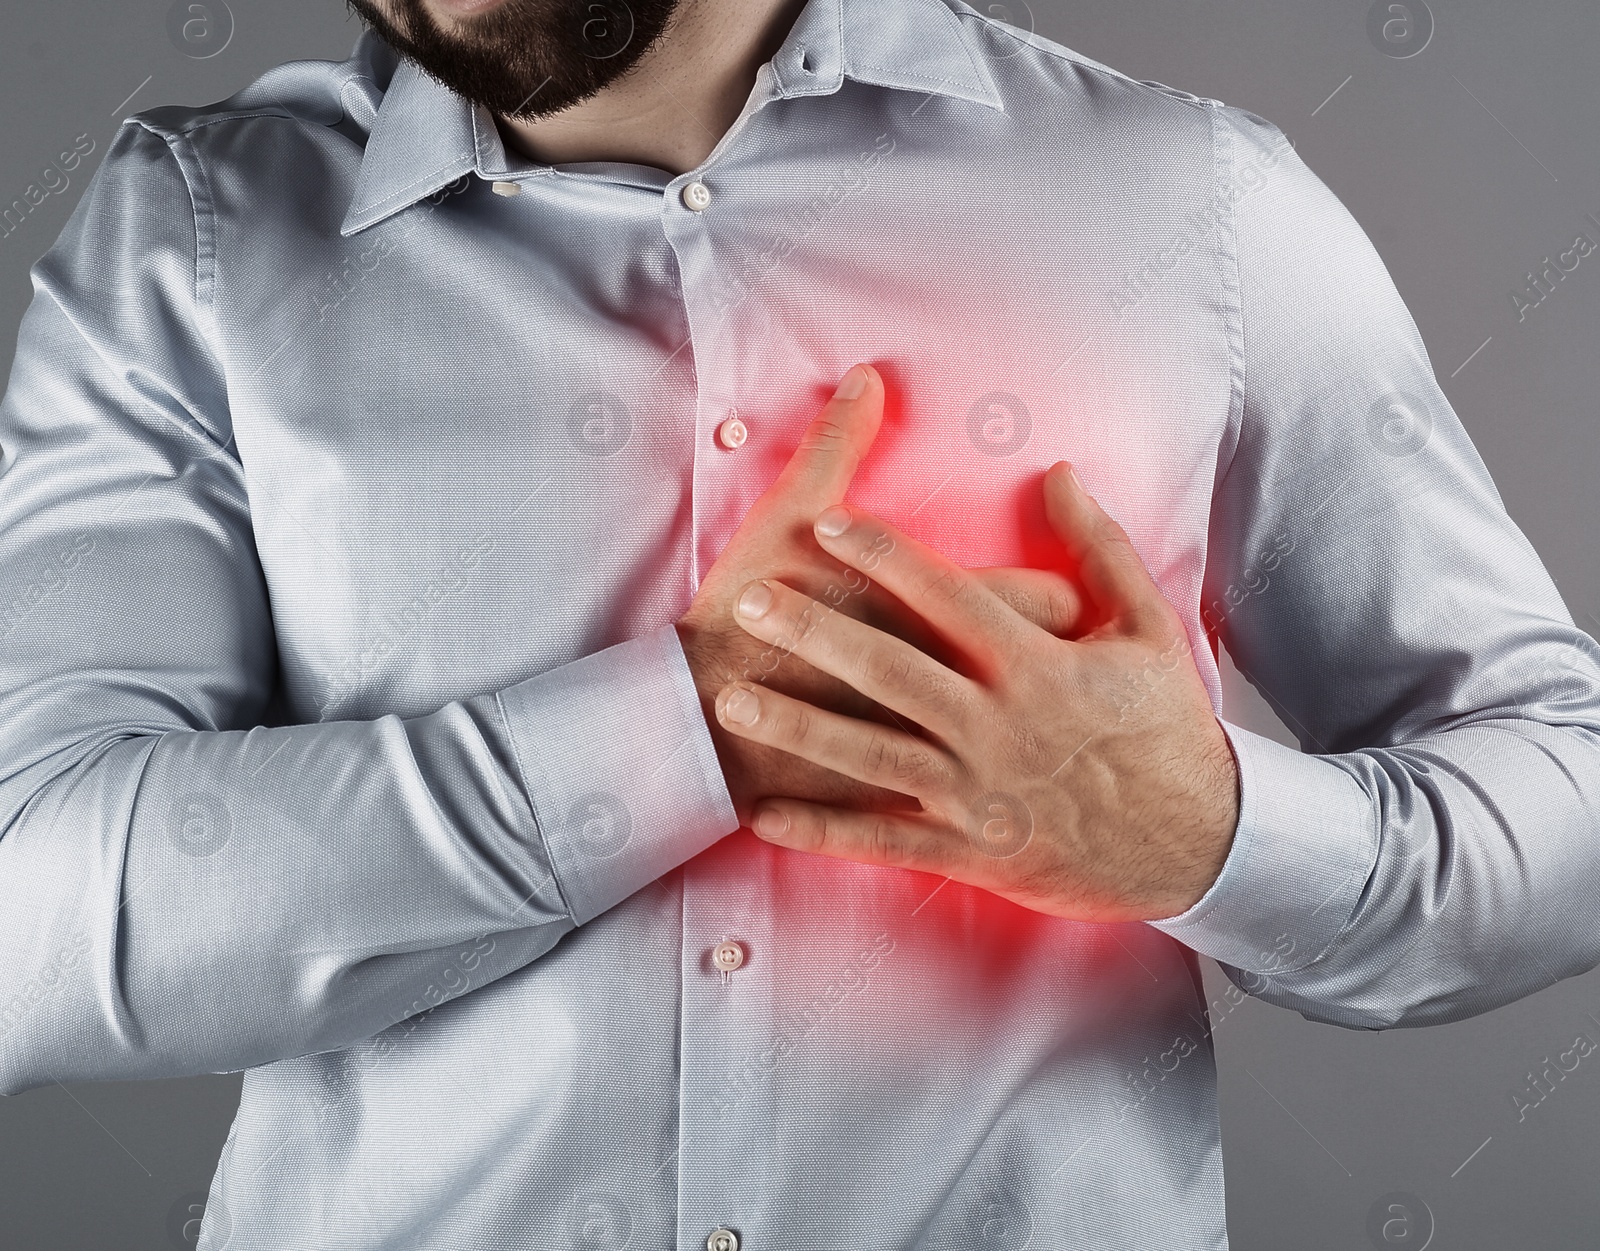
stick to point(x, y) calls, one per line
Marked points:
point(1219, 820)
point(708, 683)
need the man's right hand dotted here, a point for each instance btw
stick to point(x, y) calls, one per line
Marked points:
point(775, 540)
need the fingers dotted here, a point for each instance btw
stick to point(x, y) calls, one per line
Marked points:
point(1109, 567)
point(822, 467)
point(954, 601)
point(1047, 599)
point(864, 750)
point(895, 839)
point(878, 665)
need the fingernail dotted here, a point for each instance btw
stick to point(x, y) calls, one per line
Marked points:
point(833, 521)
point(755, 601)
point(853, 385)
point(741, 707)
point(770, 823)
point(1073, 474)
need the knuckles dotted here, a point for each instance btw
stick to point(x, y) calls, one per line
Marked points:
point(826, 435)
point(945, 586)
point(796, 725)
point(912, 769)
point(885, 843)
point(888, 667)
point(794, 616)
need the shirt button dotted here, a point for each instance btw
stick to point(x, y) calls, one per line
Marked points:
point(732, 433)
point(697, 197)
point(722, 1240)
point(727, 956)
point(507, 188)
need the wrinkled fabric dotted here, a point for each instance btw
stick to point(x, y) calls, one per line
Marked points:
point(346, 508)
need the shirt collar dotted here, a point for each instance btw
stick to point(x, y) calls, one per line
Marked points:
point(425, 137)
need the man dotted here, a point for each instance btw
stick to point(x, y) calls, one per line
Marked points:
point(386, 459)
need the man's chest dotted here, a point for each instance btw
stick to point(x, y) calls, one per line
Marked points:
point(475, 454)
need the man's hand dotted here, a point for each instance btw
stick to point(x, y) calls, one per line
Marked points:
point(1078, 771)
point(775, 541)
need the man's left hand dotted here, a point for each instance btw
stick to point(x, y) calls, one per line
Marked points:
point(1080, 774)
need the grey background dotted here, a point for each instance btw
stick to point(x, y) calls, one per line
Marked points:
point(1468, 163)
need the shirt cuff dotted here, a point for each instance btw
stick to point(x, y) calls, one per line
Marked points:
point(1302, 852)
point(619, 767)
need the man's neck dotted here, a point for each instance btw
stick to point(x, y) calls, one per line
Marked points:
point(678, 102)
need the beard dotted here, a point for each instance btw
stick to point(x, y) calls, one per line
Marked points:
point(527, 58)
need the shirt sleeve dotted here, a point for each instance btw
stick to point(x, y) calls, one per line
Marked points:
point(1433, 850)
point(185, 886)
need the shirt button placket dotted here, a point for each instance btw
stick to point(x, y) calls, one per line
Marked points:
point(726, 1016)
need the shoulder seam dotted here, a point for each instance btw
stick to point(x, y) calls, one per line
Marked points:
point(203, 224)
point(1026, 40)
point(196, 117)
point(1233, 282)
point(212, 119)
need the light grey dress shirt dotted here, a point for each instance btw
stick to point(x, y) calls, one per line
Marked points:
point(348, 500)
